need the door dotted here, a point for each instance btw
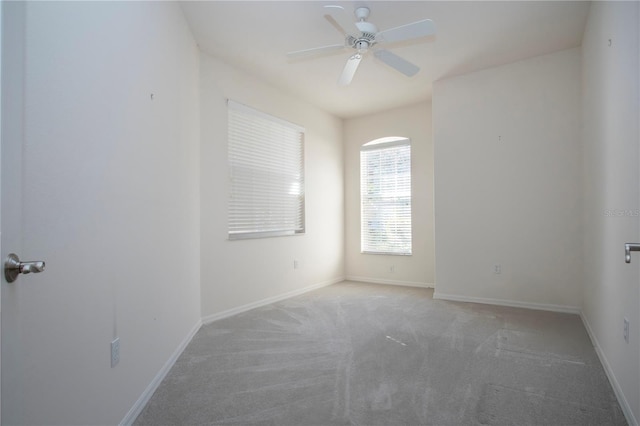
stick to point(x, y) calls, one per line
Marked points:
point(12, 295)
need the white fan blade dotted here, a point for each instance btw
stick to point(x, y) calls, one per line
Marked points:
point(315, 51)
point(341, 18)
point(407, 32)
point(350, 70)
point(396, 62)
point(335, 25)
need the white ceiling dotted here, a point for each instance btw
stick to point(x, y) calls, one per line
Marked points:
point(255, 37)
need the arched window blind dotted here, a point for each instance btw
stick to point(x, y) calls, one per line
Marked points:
point(385, 191)
point(266, 172)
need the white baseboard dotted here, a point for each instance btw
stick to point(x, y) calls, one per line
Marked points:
point(388, 282)
point(234, 311)
point(510, 303)
point(624, 404)
point(137, 408)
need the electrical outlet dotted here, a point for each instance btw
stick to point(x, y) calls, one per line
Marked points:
point(625, 330)
point(295, 264)
point(497, 269)
point(115, 352)
point(392, 268)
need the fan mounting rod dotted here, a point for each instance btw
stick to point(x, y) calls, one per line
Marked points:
point(363, 42)
point(362, 13)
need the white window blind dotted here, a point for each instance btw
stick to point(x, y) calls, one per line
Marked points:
point(385, 190)
point(266, 167)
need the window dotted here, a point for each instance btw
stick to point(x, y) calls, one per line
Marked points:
point(385, 192)
point(266, 172)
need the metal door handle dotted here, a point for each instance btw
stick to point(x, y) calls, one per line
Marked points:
point(628, 248)
point(13, 267)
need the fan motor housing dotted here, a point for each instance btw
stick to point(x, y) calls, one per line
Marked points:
point(362, 43)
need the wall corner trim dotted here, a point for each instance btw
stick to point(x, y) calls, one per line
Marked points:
point(234, 311)
point(511, 303)
point(624, 404)
point(139, 405)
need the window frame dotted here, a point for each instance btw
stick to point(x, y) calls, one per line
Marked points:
point(367, 244)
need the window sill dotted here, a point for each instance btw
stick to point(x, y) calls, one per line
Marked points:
point(386, 253)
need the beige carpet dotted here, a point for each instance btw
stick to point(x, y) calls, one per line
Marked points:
point(360, 354)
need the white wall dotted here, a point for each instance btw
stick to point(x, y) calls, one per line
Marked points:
point(611, 117)
point(413, 122)
point(239, 273)
point(508, 188)
point(110, 202)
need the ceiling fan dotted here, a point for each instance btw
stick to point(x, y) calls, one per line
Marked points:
point(366, 37)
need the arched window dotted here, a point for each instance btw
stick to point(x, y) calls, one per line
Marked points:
point(385, 196)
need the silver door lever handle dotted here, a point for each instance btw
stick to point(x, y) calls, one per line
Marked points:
point(628, 248)
point(29, 267)
point(13, 267)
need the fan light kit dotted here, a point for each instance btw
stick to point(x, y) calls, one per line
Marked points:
point(367, 38)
